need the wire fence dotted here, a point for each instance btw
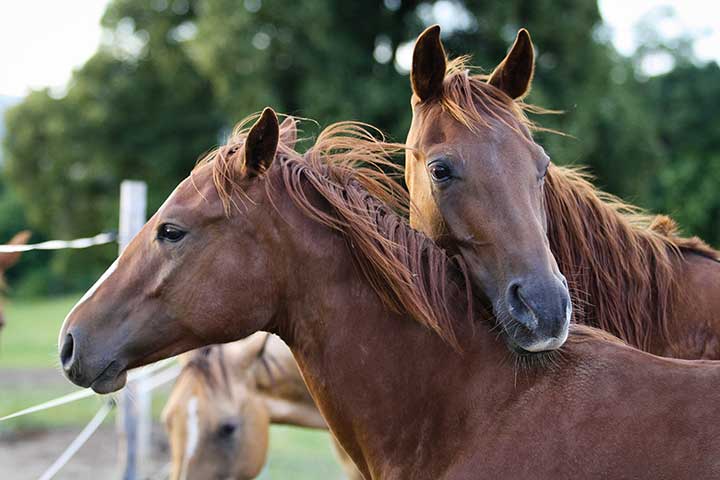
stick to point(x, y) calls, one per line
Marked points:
point(133, 196)
point(99, 239)
point(79, 441)
point(166, 370)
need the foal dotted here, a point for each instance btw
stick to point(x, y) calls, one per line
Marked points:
point(376, 316)
point(219, 412)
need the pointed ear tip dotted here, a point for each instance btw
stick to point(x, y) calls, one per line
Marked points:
point(430, 33)
point(22, 236)
point(268, 112)
point(524, 36)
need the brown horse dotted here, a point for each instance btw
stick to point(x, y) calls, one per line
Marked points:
point(485, 188)
point(477, 189)
point(219, 412)
point(300, 247)
point(7, 260)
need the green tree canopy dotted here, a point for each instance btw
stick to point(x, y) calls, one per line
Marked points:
point(173, 75)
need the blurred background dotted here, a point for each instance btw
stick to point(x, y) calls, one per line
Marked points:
point(98, 91)
point(94, 92)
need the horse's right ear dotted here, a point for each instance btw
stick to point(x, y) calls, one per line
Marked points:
point(7, 260)
point(262, 142)
point(515, 73)
point(288, 132)
point(428, 65)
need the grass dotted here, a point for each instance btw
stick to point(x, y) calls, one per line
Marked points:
point(30, 337)
point(28, 356)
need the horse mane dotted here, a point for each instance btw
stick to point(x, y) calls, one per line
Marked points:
point(473, 102)
point(623, 265)
point(347, 167)
point(208, 363)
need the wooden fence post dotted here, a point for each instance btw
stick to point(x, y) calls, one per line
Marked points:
point(133, 420)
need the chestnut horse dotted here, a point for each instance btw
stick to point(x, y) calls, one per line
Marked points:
point(219, 412)
point(378, 320)
point(7, 260)
point(477, 189)
point(483, 187)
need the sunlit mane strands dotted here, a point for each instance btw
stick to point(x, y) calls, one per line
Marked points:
point(627, 262)
point(346, 167)
point(214, 372)
point(473, 102)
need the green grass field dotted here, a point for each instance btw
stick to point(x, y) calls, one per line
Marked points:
point(30, 337)
point(29, 375)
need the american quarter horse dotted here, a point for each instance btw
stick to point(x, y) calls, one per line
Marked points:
point(484, 188)
point(378, 318)
point(219, 412)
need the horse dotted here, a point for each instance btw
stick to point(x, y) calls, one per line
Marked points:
point(412, 380)
point(477, 190)
point(219, 411)
point(484, 188)
point(7, 260)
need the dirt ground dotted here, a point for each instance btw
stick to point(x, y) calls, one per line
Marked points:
point(26, 455)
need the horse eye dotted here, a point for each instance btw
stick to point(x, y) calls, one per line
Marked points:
point(545, 172)
point(170, 232)
point(440, 171)
point(226, 430)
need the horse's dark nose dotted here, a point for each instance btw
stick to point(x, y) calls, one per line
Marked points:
point(67, 356)
point(543, 310)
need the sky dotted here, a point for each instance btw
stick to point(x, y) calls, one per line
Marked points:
point(42, 41)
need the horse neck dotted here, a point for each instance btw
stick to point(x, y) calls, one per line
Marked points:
point(622, 277)
point(372, 372)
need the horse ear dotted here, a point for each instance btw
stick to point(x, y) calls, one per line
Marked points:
point(7, 260)
point(514, 74)
point(428, 64)
point(262, 142)
point(288, 132)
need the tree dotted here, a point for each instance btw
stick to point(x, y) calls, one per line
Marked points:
point(689, 129)
point(137, 109)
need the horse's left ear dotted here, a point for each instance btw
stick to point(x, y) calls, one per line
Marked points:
point(428, 64)
point(262, 142)
point(515, 73)
point(7, 260)
point(288, 132)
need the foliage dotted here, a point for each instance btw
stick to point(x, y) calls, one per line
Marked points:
point(689, 131)
point(136, 109)
point(174, 75)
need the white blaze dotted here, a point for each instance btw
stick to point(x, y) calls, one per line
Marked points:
point(91, 292)
point(192, 434)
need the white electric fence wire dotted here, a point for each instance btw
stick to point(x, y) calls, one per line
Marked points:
point(79, 441)
point(87, 392)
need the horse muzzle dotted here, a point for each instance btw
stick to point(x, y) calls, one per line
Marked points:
point(88, 369)
point(537, 314)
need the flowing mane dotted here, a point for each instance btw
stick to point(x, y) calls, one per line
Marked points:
point(209, 364)
point(346, 167)
point(470, 100)
point(622, 265)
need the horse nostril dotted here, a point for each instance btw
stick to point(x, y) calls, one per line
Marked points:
point(519, 309)
point(66, 352)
